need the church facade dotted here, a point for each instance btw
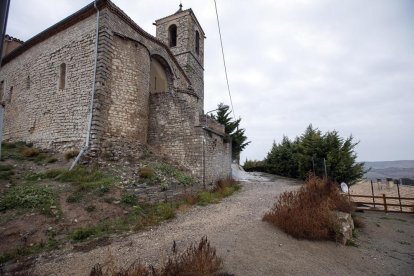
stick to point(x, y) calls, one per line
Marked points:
point(99, 83)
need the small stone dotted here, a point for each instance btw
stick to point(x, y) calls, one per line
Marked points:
point(75, 221)
point(50, 228)
point(53, 207)
point(117, 202)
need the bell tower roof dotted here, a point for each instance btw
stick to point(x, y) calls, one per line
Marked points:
point(178, 14)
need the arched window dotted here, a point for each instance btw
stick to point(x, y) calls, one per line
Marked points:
point(172, 31)
point(62, 76)
point(197, 43)
point(159, 78)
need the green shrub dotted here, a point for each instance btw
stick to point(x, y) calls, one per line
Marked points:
point(205, 198)
point(76, 197)
point(184, 179)
point(165, 211)
point(8, 145)
point(100, 229)
point(5, 167)
point(129, 199)
point(6, 175)
point(6, 171)
point(82, 234)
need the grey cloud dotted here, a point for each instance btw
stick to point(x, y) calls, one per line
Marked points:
point(344, 65)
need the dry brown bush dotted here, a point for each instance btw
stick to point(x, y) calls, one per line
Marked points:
point(189, 198)
point(225, 183)
point(309, 212)
point(198, 259)
point(71, 154)
point(146, 172)
point(30, 152)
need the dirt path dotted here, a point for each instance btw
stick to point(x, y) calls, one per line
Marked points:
point(252, 247)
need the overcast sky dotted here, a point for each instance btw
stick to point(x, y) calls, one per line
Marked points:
point(343, 65)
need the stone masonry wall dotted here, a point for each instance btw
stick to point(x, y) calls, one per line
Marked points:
point(121, 103)
point(119, 26)
point(217, 158)
point(172, 129)
point(127, 120)
point(175, 129)
point(36, 109)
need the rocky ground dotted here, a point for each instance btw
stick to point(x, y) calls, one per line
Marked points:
point(250, 246)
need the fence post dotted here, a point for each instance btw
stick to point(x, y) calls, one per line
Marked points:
point(399, 197)
point(385, 203)
point(372, 190)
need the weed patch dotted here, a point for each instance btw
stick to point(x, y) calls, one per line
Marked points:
point(84, 178)
point(6, 171)
point(171, 171)
point(205, 198)
point(165, 211)
point(129, 199)
point(19, 252)
point(223, 188)
point(351, 242)
point(28, 196)
point(139, 217)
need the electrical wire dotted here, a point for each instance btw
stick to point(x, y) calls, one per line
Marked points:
point(224, 60)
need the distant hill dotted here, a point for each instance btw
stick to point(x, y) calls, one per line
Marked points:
point(390, 169)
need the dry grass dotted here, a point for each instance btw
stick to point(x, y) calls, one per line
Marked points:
point(146, 172)
point(189, 198)
point(30, 152)
point(309, 212)
point(198, 259)
point(71, 154)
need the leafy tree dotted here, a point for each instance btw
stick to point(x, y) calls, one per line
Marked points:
point(231, 127)
point(308, 152)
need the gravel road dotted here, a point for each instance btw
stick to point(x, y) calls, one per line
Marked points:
point(249, 246)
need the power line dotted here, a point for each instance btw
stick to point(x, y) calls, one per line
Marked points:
point(224, 60)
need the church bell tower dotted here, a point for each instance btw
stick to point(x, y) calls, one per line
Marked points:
point(182, 33)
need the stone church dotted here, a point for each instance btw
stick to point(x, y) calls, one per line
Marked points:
point(99, 83)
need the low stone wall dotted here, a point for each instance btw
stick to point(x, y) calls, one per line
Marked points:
point(158, 194)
